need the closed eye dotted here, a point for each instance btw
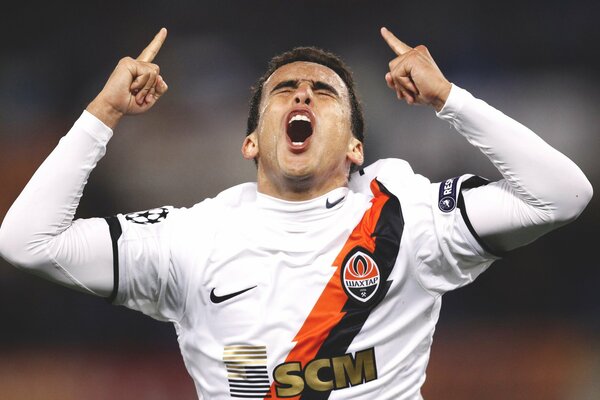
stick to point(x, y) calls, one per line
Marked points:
point(325, 93)
point(285, 86)
point(324, 88)
point(318, 87)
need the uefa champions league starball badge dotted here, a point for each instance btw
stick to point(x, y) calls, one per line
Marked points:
point(153, 216)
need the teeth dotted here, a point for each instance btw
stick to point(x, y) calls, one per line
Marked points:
point(299, 117)
point(297, 143)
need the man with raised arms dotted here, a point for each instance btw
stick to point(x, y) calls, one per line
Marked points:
point(323, 279)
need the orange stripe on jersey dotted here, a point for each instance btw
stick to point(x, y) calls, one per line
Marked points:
point(328, 310)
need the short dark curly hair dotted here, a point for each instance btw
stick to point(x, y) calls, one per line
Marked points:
point(318, 56)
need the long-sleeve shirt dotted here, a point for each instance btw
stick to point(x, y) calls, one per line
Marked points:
point(349, 282)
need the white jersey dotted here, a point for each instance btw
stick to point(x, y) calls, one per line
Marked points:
point(336, 297)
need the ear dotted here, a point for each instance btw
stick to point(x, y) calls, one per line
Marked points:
point(250, 147)
point(355, 152)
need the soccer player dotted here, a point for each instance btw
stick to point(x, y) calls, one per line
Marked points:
point(323, 279)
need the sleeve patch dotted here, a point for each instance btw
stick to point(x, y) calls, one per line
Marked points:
point(448, 195)
point(147, 217)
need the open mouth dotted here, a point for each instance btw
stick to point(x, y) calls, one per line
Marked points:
point(299, 127)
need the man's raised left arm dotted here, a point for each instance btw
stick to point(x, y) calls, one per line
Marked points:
point(542, 189)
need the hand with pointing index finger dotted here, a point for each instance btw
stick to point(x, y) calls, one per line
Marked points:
point(133, 87)
point(414, 75)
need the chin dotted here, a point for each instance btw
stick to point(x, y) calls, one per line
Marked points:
point(298, 179)
point(297, 166)
point(301, 174)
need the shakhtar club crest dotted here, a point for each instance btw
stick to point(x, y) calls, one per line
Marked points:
point(360, 276)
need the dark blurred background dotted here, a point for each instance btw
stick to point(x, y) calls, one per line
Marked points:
point(529, 328)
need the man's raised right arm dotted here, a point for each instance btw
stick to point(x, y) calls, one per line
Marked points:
point(38, 233)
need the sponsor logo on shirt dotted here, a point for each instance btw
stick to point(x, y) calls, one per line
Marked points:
point(447, 195)
point(325, 374)
point(248, 377)
point(247, 370)
point(334, 203)
point(219, 299)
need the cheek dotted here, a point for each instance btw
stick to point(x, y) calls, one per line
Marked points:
point(268, 128)
point(340, 114)
point(270, 116)
point(263, 109)
point(338, 124)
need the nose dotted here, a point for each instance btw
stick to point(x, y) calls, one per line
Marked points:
point(303, 94)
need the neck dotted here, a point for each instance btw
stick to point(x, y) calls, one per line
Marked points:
point(299, 189)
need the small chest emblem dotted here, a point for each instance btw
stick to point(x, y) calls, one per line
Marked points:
point(360, 276)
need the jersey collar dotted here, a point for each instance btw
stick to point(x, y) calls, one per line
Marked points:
point(306, 210)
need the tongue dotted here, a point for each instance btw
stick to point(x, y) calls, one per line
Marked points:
point(299, 131)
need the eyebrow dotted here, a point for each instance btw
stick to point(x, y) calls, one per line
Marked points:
point(316, 85)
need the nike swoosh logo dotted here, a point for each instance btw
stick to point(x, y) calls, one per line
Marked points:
point(335, 203)
point(219, 299)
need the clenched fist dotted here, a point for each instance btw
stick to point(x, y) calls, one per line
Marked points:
point(133, 87)
point(414, 76)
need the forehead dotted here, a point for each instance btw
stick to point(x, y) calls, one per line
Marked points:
point(304, 70)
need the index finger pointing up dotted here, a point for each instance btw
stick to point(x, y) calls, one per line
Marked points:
point(397, 46)
point(152, 49)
